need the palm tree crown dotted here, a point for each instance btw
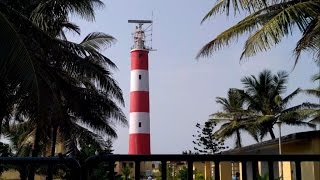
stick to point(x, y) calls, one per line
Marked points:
point(72, 85)
point(234, 117)
point(263, 95)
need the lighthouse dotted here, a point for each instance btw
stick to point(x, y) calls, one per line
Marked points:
point(139, 122)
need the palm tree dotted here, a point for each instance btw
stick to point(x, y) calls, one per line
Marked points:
point(52, 17)
point(234, 117)
point(267, 23)
point(92, 104)
point(80, 64)
point(264, 96)
point(65, 72)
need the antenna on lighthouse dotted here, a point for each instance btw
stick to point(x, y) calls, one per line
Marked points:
point(142, 35)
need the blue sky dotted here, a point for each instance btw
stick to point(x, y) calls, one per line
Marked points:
point(183, 89)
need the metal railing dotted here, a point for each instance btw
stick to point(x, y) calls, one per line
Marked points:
point(82, 173)
point(25, 163)
point(217, 159)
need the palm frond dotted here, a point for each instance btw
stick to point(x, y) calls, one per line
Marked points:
point(223, 101)
point(302, 106)
point(267, 24)
point(69, 26)
point(218, 120)
point(20, 135)
point(84, 8)
point(316, 118)
point(266, 119)
point(253, 130)
point(310, 40)
point(235, 6)
point(279, 81)
point(87, 136)
point(97, 41)
point(294, 116)
point(87, 53)
point(89, 69)
point(314, 92)
point(301, 123)
point(280, 24)
point(250, 84)
point(85, 106)
point(225, 38)
point(61, 8)
point(15, 60)
point(217, 8)
point(316, 77)
point(263, 132)
point(286, 100)
point(225, 131)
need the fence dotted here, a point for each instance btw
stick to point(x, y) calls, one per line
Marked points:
point(83, 172)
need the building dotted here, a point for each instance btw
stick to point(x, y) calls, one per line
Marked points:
point(297, 143)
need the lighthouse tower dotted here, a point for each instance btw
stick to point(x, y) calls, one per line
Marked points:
point(139, 123)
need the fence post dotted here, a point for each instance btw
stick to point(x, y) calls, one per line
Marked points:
point(137, 170)
point(190, 170)
point(216, 170)
point(298, 170)
point(244, 169)
point(254, 169)
point(164, 169)
point(270, 169)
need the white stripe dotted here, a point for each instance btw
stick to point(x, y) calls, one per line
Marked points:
point(139, 117)
point(139, 80)
point(137, 49)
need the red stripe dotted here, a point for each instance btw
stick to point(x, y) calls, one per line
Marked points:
point(139, 59)
point(139, 101)
point(139, 144)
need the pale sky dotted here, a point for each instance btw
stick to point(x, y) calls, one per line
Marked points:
point(183, 89)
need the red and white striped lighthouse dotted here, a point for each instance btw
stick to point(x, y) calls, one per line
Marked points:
point(139, 123)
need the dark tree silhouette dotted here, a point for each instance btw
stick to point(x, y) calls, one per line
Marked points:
point(206, 142)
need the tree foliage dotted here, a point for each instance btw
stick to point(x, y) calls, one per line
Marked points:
point(264, 95)
point(58, 91)
point(205, 141)
point(267, 23)
point(183, 173)
point(259, 106)
point(234, 117)
point(101, 170)
point(126, 171)
point(315, 111)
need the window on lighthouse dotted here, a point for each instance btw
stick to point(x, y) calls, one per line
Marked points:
point(139, 76)
point(139, 124)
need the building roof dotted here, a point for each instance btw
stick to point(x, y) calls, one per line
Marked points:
point(284, 140)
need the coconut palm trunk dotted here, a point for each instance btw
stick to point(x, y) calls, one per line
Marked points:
point(54, 140)
point(54, 132)
point(35, 153)
point(271, 133)
point(239, 145)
